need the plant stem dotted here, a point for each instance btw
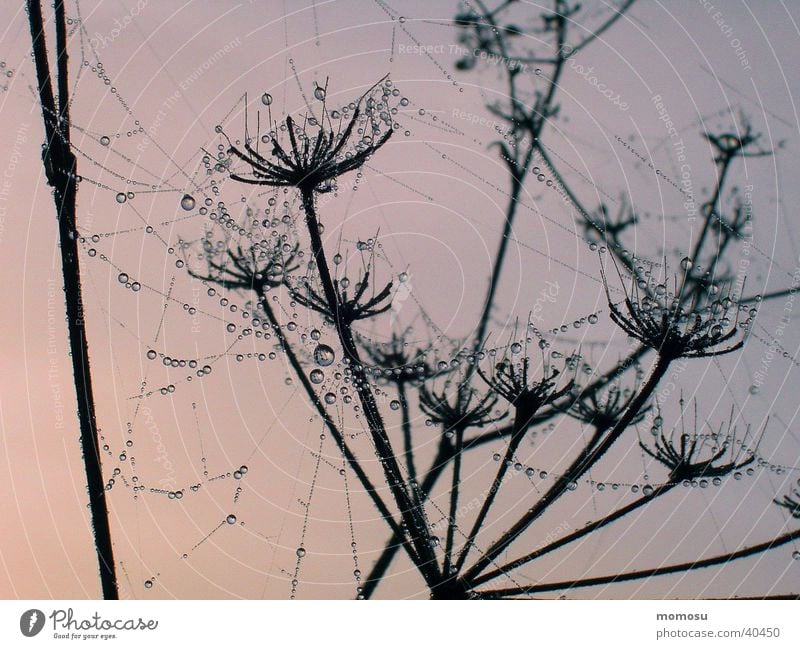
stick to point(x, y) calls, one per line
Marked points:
point(410, 514)
point(60, 167)
point(581, 465)
point(454, 490)
point(355, 465)
point(652, 572)
point(521, 421)
point(408, 445)
point(577, 534)
point(443, 458)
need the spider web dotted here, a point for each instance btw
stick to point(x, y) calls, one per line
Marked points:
point(222, 478)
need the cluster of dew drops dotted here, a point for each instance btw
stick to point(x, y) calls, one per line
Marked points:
point(378, 114)
point(5, 74)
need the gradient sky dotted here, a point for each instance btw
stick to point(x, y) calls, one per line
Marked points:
point(437, 198)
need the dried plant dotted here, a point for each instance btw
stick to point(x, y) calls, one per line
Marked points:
point(465, 394)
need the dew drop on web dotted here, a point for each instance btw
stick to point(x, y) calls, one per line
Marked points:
point(324, 355)
point(187, 202)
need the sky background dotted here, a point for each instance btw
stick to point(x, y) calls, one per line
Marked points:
point(436, 196)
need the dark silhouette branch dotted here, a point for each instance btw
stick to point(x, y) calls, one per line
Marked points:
point(585, 461)
point(61, 168)
point(646, 574)
point(576, 535)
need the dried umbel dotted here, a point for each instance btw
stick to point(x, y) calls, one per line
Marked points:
point(659, 318)
point(319, 150)
point(740, 144)
point(603, 408)
point(512, 380)
point(347, 308)
point(398, 361)
point(258, 268)
point(466, 410)
point(691, 456)
point(792, 503)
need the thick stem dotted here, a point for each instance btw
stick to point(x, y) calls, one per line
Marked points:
point(581, 465)
point(443, 457)
point(60, 167)
point(412, 516)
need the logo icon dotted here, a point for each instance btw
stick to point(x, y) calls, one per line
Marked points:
point(31, 622)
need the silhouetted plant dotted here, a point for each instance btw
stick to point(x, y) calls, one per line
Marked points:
point(61, 170)
point(690, 457)
point(692, 319)
point(309, 155)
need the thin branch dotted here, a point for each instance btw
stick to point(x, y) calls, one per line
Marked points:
point(576, 535)
point(646, 574)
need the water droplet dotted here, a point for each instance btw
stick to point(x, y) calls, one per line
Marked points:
point(121, 198)
point(231, 519)
point(796, 555)
point(301, 552)
point(686, 263)
point(516, 348)
point(319, 93)
point(317, 376)
point(266, 99)
point(122, 278)
point(324, 355)
point(394, 404)
point(187, 202)
point(754, 389)
point(105, 140)
point(151, 354)
point(330, 398)
point(148, 583)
